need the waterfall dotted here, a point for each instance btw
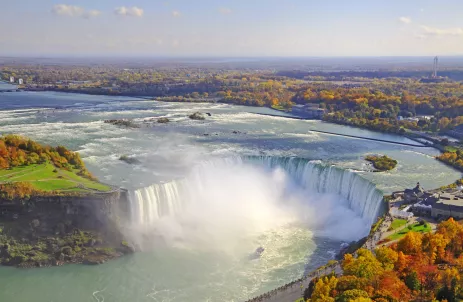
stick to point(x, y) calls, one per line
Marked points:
point(151, 203)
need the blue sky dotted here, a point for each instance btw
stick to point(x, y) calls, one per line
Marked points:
point(231, 27)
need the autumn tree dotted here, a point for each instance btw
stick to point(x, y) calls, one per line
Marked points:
point(352, 294)
point(364, 266)
point(323, 289)
point(387, 256)
point(411, 243)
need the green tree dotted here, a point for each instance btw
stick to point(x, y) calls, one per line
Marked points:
point(412, 281)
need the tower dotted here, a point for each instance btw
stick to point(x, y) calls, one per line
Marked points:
point(436, 65)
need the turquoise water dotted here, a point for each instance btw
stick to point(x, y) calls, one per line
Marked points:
point(176, 270)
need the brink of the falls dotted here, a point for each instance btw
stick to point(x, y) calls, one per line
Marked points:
point(152, 203)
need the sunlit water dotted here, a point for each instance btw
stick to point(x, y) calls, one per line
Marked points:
point(181, 263)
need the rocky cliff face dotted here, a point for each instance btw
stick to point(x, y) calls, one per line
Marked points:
point(87, 211)
point(53, 230)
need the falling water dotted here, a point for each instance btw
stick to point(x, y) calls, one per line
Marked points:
point(151, 203)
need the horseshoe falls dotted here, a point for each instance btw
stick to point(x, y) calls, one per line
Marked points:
point(282, 177)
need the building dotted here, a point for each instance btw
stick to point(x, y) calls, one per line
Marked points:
point(448, 205)
point(313, 111)
point(310, 111)
point(11, 79)
point(414, 195)
point(20, 81)
point(424, 206)
point(457, 132)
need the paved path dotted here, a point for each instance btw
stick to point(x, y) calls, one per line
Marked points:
point(294, 291)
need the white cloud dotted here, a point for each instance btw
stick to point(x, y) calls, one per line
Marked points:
point(176, 14)
point(432, 31)
point(225, 11)
point(92, 13)
point(406, 20)
point(68, 10)
point(74, 11)
point(129, 11)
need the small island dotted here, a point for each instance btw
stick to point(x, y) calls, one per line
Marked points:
point(382, 163)
point(197, 116)
point(52, 209)
point(122, 123)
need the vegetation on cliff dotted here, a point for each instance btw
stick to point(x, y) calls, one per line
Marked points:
point(420, 267)
point(28, 168)
point(382, 163)
point(76, 246)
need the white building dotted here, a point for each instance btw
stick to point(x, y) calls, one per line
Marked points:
point(21, 81)
point(11, 79)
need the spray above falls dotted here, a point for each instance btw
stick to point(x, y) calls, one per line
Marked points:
point(262, 192)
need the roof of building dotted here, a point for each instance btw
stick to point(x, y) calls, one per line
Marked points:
point(418, 190)
point(449, 202)
point(459, 128)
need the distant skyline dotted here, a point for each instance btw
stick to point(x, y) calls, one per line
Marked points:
point(231, 28)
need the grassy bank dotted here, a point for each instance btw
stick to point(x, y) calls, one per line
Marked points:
point(46, 177)
point(417, 227)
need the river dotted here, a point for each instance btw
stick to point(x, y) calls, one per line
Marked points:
point(201, 252)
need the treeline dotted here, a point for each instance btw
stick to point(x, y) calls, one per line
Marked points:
point(23, 191)
point(17, 190)
point(19, 151)
point(381, 102)
point(418, 268)
point(454, 159)
point(368, 101)
point(456, 75)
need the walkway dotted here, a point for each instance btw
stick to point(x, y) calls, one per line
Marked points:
point(294, 290)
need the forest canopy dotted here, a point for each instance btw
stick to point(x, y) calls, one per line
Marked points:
point(420, 267)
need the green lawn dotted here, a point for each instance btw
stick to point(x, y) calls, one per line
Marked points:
point(44, 178)
point(450, 149)
point(280, 108)
point(397, 223)
point(415, 228)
